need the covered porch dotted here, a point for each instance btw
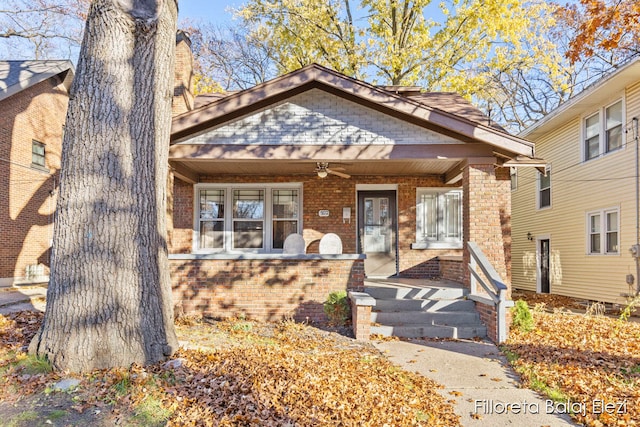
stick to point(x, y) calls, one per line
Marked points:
point(405, 179)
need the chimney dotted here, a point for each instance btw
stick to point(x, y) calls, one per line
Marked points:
point(183, 99)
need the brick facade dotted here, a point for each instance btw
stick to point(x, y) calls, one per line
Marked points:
point(332, 193)
point(26, 201)
point(266, 289)
point(487, 216)
point(229, 287)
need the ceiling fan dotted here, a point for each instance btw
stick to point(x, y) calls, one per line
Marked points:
point(322, 169)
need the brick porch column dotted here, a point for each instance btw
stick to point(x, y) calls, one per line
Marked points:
point(487, 215)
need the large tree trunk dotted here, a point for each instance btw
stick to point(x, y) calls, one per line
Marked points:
point(109, 297)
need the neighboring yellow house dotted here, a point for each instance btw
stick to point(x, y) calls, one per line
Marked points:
point(573, 230)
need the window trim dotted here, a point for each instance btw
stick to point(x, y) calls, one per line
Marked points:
point(448, 243)
point(603, 231)
point(513, 177)
point(539, 189)
point(35, 143)
point(601, 112)
point(227, 246)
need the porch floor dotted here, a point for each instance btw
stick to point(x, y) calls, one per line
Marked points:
point(401, 282)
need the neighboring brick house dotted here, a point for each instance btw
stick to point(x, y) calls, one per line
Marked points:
point(574, 228)
point(404, 178)
point(33, 101)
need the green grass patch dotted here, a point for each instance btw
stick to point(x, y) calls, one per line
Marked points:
point(150, 412)
point(25, 418)
point(34, 365)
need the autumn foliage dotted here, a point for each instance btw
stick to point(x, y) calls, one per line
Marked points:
point(592, 360)
point(602, 25)
point(245, 373)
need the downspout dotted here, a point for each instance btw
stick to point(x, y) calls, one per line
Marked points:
point(637, 256)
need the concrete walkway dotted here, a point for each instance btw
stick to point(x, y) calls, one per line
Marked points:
point(477, 376)
point(22, 298)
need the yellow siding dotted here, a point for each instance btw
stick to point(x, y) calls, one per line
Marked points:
point(577, 188)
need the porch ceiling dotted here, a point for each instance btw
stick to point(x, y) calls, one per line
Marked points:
point(307, 167)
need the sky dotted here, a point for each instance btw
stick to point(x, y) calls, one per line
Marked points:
point(214, 11)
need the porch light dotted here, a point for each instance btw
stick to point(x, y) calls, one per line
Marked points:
point(322, 173)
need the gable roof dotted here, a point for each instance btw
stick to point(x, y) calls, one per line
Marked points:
point(16, 76)
point(443, 112)
point(590, 99)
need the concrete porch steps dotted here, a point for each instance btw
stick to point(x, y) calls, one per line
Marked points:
point(414, 308)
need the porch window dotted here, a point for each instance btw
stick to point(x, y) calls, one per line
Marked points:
point(285, 215)
point(248, 219)
point(603, 232)
point(439, 217)
point(212, 219)
point(258, 218)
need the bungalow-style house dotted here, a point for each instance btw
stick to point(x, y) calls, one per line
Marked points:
point(575, 228)
point(33, 101)
point(404, 178)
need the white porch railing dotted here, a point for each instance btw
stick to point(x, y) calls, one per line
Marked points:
point(496, 290)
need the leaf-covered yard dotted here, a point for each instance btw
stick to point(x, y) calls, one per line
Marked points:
point(235, 373)
point(591, 364)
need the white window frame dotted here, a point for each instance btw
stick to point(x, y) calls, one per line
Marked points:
point(601, 113)
point(267, 236)
point(513, 176)
point(34, 155)
point(539, 189)
point(441, 242)
point(603, 231)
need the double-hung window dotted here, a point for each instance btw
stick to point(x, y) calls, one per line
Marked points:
point(37, 154)
point(438, 218)
point(603, 131)
point(544, 189)
point(258, 219)
point(603, 232)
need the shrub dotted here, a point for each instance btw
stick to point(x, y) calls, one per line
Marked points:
point(337, 308)
point(522, 318)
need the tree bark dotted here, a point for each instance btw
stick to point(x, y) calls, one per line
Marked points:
point(109, 296)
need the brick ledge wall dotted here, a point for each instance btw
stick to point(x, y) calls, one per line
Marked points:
point(266, 289)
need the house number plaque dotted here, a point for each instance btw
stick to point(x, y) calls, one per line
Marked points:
point(323, 212)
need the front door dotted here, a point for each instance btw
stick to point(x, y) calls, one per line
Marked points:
point(377, 231)
point(544, 266)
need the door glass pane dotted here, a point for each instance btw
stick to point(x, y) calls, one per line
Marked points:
point(368, 211)
point(384, 211)
point(248, 204)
